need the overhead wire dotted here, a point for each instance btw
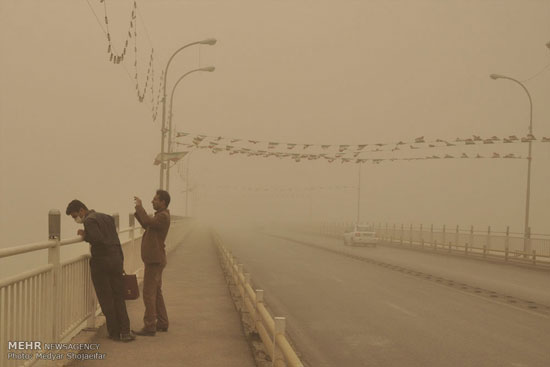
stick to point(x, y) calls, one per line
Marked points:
point(537, 74)
point(118, 58)
point(105, 32)
point(145, 27)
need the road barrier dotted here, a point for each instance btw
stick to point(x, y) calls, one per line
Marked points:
point(51, 303)
point(505, 246)
point(270, 329)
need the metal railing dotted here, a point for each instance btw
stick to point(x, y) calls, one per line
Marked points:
point(271, 330)
point(53, 302)
point(504, 245)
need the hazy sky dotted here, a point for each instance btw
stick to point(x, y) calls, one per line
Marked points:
point(324, 72)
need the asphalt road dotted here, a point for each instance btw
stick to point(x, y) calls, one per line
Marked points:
point(397, 308)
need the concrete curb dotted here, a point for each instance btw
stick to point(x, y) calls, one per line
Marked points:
point(260, 354)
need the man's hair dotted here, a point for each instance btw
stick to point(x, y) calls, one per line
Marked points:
point(75, 206)
point(164, 196)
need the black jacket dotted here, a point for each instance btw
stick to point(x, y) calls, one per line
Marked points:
point(101, 234)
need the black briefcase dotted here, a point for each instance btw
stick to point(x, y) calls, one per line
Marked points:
point(131, 289)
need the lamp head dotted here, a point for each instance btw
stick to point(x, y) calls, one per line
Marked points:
point(208, 68)
point(548, 45)
point(208, 41)
point(495, 76)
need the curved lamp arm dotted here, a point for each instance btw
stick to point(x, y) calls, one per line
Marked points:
point(208, 41)
point(207, 68)
point(498, 76)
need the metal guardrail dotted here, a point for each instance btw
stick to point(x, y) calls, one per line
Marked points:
point(494, 245)
point(455, 235)
point(271, 330)
point(53, 302)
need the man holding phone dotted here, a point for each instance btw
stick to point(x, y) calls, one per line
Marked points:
point(153, 254)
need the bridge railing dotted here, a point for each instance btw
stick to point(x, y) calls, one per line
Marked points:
point(53, 302)
point(505, 245)
point(271, 330)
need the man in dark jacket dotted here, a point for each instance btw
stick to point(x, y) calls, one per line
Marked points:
point(106, 267)
point(153, 254)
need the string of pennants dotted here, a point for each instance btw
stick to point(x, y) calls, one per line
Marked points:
point(336, 158)
point(417, 143)
point(348, 153)
point(118, 57)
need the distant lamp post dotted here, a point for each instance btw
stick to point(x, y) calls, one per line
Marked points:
point(206, 69)
point(208, 41)
point(358, 197)
point(187, 189)
point(527, 230)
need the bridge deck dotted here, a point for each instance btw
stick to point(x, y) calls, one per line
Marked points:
point(205, 329)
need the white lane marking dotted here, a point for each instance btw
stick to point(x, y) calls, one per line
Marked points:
point(406, 312)
point(360, 340)
point(495, 302)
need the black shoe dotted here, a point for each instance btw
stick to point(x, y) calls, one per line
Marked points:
point(144, 332)
point(163, 329)
point(127, 337)
point(114, 337)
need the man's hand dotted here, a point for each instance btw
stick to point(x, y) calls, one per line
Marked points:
point(137, 201)
point(81, 232)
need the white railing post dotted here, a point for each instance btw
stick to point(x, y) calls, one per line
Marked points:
point(443, 235)
point(256, 317)
point(54, 233)
point(248, 307)
point(471, 240)
point(401, 236)
point(488, 237)
point(264, 334)
point(472, 236)
point(527, 241)
point(280, 325)
point(410, 235)
point(431, 234)
point(457, 235)
point(421, 236)
point(240, 287)
point(259, 297)
point(507, 243)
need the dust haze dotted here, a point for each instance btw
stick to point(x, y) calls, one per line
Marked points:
point(329, 72)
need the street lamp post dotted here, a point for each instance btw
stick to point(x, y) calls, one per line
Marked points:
point(527, 230)
point(187, 183)
point(208, 41)
point(208, 69)
point(187, 188)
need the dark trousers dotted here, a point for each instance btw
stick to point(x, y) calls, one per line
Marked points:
point(155, 310)
point(109, 287)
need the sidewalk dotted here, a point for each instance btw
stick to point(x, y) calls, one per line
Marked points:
point(205, 328)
